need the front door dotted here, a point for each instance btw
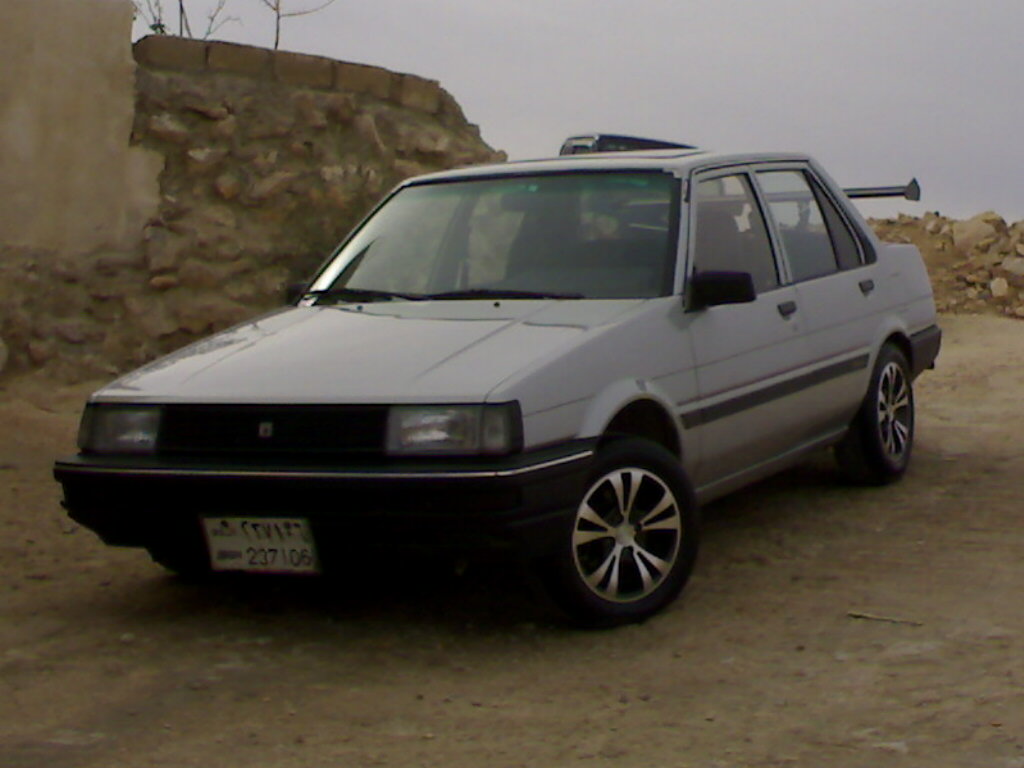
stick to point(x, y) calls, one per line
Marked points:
point(749, 357)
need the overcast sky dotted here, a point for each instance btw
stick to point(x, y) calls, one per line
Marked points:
point(878, 90)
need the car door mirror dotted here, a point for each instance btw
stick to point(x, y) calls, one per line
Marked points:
point(709, 289)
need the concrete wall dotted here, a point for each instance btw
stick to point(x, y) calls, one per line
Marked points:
point(69, 181)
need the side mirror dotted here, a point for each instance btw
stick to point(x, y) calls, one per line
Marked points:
point(709, 289)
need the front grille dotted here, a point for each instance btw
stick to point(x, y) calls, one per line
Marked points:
point(244, 430)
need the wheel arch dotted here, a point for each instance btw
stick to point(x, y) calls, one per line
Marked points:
point(900, 340)
point(635, 409)
point(891, 330)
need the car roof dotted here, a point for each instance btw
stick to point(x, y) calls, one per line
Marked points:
point(678, 161)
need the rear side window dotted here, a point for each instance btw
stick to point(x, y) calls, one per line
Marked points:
point(847, 253)
point(801, 224)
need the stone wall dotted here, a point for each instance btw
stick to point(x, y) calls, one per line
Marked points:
point(266, 160)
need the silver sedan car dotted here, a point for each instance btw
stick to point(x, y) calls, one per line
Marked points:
point(561, 359)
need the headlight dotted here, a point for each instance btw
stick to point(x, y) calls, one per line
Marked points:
point(119, 429)
point(454, 429)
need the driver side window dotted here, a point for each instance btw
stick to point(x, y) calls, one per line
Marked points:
point(730, 233)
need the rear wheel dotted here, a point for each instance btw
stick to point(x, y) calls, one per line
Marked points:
point(877, 448)
point(632, 541)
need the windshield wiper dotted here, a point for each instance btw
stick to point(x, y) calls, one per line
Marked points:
point(501, 293)
point(363, 294)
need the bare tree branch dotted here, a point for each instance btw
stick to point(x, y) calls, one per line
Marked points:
point(277, 8)
point(152, 13)
point(213, 23)
point(184, 29)
point(307, 10)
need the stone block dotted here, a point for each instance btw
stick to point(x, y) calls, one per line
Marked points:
point(226, 128)
point(199, 274)
point(309, 112)
point(40, 352)
point(168, 128)
point(340, 107)
point(203, 159)
point(151, 315)
point(273, 185)
point(973, 232)
point(163, 249)
point(74, 331)
point(361, 78)
point(210, 109)
point(168, 52)
point(163, 282)
point(366, 127)
point(114, 262)
point(204, 313)
point(238, 59)
point(420, 94)
point(406, 168)
point(1014, 265)
point(228, 186)
point(303, 69)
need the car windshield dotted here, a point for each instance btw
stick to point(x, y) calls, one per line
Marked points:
point(568, 235)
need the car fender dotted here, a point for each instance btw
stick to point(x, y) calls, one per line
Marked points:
point(617, 396)
point(892, 325)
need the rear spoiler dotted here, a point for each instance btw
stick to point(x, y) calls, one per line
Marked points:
point(911, 191)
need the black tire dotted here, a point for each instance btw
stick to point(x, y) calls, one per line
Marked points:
point(632, 541)
point(877, 448)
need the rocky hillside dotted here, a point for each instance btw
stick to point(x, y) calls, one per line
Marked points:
point(976, 266)
point(269, 158)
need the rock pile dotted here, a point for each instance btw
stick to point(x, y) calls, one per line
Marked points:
point(976, 266)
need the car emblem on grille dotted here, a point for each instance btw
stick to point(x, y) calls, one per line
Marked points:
point(266, 429)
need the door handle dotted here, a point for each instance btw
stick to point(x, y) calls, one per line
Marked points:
point(866, 286)
point(787, 308)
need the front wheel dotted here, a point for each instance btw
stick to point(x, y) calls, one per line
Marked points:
point(877, 448)
point(632, 540)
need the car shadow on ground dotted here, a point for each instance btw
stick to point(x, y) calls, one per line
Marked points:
point(452, 594)
point(446, 594)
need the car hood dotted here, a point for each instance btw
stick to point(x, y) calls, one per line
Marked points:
point(447, 351)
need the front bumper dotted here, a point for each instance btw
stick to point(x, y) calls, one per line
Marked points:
point(520, 503)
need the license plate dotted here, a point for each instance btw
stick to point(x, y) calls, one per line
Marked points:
point(260, 544)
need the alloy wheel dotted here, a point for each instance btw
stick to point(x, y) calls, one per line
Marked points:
point(627, 534)
point(894, 411)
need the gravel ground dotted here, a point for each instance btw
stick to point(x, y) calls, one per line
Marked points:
point(824, 625)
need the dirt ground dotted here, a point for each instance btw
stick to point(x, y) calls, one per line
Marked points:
point(824, 625)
